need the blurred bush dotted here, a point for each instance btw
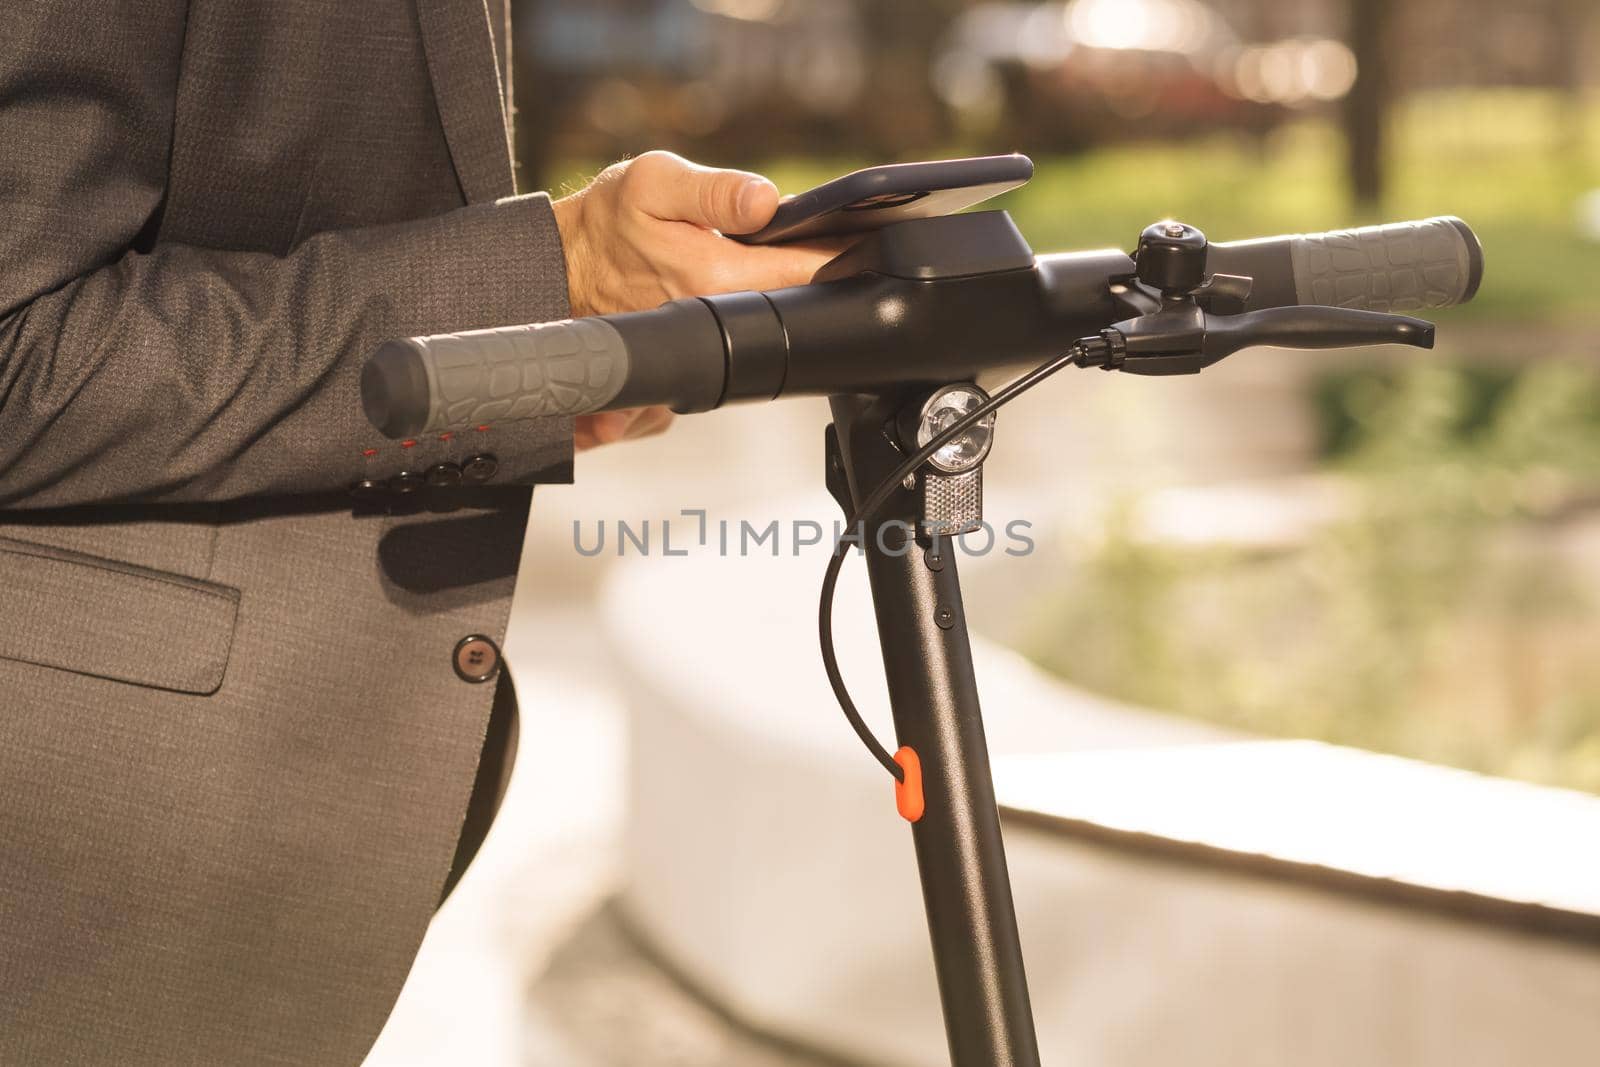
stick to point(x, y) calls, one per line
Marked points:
point(1448, 613)
point(1502, 159)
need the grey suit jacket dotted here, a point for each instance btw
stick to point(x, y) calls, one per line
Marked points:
point(234, 753)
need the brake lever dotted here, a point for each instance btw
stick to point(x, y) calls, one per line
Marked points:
point(1186, 340)
point(1312, 326)
point(1181, 336)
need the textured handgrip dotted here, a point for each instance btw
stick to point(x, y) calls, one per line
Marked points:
point(1403, 266)
point(457, 380)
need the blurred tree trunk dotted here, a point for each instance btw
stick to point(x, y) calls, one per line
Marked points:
point(899, 106)
point(1366, 108)
point(1573, 20)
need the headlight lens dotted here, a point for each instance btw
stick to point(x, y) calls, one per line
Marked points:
point(942, 411)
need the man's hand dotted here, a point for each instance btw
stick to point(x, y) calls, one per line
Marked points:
point(649, 230)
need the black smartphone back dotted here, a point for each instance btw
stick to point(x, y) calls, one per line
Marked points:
point(878, 196)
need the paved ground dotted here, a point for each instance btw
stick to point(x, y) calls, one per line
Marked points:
point(601, 1002)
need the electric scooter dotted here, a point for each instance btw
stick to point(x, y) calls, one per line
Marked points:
point(895, 331)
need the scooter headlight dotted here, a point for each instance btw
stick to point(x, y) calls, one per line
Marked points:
point(942, 410)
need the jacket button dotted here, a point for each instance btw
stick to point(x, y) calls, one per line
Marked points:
point(476, 658)
point(368, 491)
point(479, 469)
point(406, 482)
point(443, 475)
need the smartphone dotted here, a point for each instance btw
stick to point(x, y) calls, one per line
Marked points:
point(879, 196)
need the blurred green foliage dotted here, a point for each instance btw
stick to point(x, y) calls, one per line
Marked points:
point(1513, 163)
point(1444, 615)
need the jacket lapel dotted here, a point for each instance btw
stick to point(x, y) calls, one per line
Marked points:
point(459, 44)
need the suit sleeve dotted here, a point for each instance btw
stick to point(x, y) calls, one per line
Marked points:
point(175, 373)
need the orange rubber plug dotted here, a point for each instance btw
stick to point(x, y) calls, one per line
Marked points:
point(908, 798)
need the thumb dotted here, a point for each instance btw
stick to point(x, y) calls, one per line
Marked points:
point(732, 201)
point(741, 203)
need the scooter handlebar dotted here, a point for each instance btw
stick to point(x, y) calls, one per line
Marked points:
point(693, 354)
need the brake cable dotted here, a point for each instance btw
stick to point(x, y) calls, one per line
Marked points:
point(1084, 352)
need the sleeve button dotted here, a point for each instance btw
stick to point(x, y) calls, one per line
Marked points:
point(443, 475)
point(479, 469)
point(406, 482)
point(368, 491)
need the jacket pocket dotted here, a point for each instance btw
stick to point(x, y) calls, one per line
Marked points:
point(99, 617)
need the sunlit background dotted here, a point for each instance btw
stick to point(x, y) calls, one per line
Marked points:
point(1387, 551)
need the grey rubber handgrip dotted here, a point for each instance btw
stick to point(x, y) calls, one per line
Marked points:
point(457, 380)
point(1400, 267)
